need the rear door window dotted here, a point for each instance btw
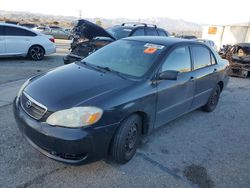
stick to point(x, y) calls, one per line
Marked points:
point(161, 33)
point(15, 31)
point(201, 57)
point(151, 32)
point(139, 32)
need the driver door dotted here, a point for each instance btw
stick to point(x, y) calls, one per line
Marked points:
point(175, 96)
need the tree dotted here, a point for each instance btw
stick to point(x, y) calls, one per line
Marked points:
point(55, 22)
point(98, 22)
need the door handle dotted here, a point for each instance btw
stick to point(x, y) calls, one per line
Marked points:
point(215, 70)
point(191, 78)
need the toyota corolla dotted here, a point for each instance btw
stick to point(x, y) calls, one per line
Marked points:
point(103, 105)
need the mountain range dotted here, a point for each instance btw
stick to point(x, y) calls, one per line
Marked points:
point(178, 26)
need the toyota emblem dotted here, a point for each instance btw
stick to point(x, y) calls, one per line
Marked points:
point(28, 104)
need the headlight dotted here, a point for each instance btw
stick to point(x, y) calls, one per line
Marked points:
point(22, 88)
point(75, 117)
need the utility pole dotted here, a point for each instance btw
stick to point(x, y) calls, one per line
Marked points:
point(80, 14)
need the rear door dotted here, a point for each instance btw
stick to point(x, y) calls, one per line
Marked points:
point(175, 96)
point(205, 76)
point(18, 40)
point(2, 41)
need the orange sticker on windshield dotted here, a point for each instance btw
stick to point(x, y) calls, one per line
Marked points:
point(150, 50)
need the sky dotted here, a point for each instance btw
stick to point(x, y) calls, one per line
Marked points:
point(199, 11)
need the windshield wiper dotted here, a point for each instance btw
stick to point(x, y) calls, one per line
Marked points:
point(92, 66)
point(111, 70)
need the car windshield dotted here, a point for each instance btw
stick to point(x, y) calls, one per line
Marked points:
point(132, 58)
point(119, 32)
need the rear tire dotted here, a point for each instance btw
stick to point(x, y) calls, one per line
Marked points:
point(126, 139)
point(36, 53)
point(213, 100)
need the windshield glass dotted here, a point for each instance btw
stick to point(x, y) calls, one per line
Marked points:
point(119, 32)
point(131, 58)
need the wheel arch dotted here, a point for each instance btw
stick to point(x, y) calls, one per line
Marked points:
point(221, 84)
point(145, 120)
point(144, 129)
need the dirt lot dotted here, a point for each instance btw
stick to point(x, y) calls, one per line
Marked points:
point(197, 150)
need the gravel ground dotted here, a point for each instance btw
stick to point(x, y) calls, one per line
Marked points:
point(199, 149)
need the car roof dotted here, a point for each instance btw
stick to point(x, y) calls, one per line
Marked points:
point(133, 26)
point(166, 41)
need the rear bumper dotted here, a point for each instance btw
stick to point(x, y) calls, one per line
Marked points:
point(50, 50)
point(72, 146)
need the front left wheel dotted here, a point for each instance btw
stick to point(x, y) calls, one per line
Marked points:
point(126, 139)
point(36, 53)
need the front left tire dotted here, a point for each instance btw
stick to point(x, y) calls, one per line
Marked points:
point(36, 53)
point(126, 139)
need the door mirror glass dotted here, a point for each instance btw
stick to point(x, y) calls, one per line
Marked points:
point(169, 75)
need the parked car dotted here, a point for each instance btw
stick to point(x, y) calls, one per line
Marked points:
point(116, 95)
point(55, 31)
point(89, 37)
point(60, 34)
point(209, 43)
point(43, 29)
point(28, 25)
point(20, 41)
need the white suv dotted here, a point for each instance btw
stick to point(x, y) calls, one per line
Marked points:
point(20, 41)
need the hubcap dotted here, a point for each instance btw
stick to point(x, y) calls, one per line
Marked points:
point(214, 98)
point(131, 139)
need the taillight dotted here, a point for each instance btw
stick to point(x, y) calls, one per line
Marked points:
point(52, 40)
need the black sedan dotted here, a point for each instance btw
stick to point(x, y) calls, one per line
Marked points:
point(117, 95)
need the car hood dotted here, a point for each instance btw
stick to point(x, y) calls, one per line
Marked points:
point(90, 30)
point(72, 85)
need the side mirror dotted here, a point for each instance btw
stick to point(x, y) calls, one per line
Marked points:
point(169, 75)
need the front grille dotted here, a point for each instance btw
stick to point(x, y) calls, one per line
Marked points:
point(33, 108)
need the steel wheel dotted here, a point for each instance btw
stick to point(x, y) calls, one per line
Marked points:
point(36, 53)
point(126, 139)
point(213, 100)
point(131, 140)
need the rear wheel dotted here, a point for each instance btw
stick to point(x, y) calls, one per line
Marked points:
point(126, 139)
point(36, 53)
point(213, 100)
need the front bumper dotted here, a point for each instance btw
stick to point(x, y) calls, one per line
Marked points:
point(68, 145)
